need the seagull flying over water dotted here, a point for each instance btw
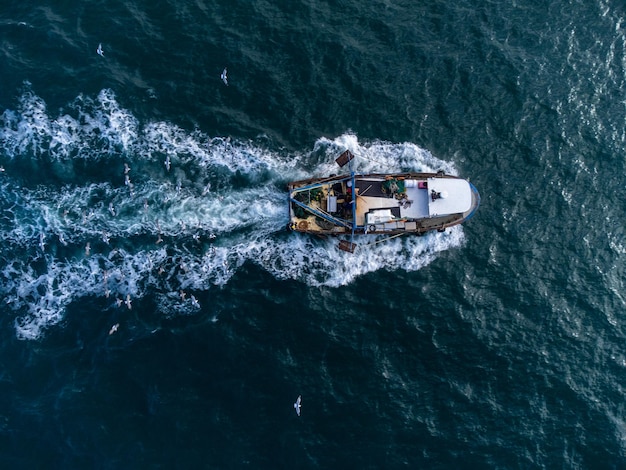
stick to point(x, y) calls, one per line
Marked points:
point(99, 50)
point(224, 77)
point(168, 163)
point(128, 302)
point(298, 404)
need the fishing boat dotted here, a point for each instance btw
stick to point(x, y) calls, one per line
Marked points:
point(393, 204)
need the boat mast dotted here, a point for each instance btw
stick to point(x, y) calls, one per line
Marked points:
point(353, 202)
point(346, 158)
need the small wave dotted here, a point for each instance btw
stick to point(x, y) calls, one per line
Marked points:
point(135, 208)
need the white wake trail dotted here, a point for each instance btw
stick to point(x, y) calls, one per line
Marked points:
point(169, 212)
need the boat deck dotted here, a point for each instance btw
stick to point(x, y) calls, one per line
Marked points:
point(370, 196)
point(382, 203)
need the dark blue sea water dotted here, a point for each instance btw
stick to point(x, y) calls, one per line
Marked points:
point(140, 179)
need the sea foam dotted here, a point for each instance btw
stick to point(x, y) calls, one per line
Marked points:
point(222, 203)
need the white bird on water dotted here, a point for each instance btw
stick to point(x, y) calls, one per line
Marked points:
point(99, 50)
point(128, 302)
point(298, 404)
point(224, 76)
point(168, 163)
